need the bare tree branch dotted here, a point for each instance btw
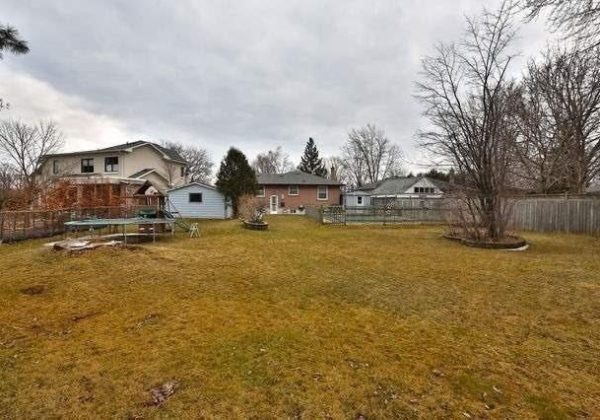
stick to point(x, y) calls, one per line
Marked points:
point(369, 156)
point(23, 145)
point(272, 162)
point(469, 101)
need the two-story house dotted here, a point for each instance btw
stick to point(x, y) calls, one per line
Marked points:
point(293, 191)
point(107, 176)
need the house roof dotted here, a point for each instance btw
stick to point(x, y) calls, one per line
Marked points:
point(127, 147)
point(141, 173)
point(200, 184)
point(394, 186)
point(370, 187)
point(294, 178)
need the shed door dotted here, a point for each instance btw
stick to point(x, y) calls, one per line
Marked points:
point(274, 204)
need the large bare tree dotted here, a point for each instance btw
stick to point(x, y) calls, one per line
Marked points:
point(469, 100)
point(560, 121)
point(199, 163)
point(369, 156)
point(22, 145)
point(272, 162)
point(578, 19)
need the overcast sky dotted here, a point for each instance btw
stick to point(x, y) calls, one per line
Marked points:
point(250, 74)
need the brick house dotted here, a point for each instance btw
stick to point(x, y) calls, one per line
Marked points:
point(293, 191)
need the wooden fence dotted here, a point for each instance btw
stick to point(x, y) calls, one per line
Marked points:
point(27, 224)
point(571, 214)
point(578, 214)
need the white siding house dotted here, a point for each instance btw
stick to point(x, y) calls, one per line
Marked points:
point(197, 200)
point(403, 190)
point(357, 199)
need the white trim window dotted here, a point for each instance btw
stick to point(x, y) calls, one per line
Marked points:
point(87, 166)
point(260, 191)
point(322, 192)
point(359, 200)
point(293, 190)
point(111, 164)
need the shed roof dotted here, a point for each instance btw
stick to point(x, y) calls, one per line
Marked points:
point(200, 184)
point(294, 178)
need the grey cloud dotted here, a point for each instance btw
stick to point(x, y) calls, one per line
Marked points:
point(254, 74)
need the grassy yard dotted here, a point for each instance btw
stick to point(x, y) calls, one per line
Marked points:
point(303, 321)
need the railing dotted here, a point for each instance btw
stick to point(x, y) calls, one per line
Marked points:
point(340, 215)
point(27, 224)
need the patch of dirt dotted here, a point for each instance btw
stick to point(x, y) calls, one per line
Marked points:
point(37, 289)
point(148, 320)
point(81, 317)
point(161, 393)
point(87, 387)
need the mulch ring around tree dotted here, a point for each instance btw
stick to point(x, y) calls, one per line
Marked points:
point(508, 242)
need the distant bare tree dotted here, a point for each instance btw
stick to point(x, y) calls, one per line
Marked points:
point(272, 162)
point(560, 121)
point(199, 163)
point(9, 181)
point(337, 169)
point(369, 156)
point(579, 19)
point(469, 101)
point(22, 145)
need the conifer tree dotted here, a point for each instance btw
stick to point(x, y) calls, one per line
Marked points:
point(236, 178)
point(310, 162)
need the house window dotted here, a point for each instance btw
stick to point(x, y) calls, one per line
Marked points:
point(195, 197)
point(359, 200)
point(322, 192)
point(111, 164)
point(87, 166)
point(55, 167)
point(424, 190)
point(293, 190)
point(182, 171)
point(260, 192)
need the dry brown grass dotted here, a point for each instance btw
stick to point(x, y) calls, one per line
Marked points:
point(303, 320)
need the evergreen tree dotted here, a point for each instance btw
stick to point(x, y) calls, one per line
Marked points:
point(310, 162)
point(10, 41)
point(236, 178)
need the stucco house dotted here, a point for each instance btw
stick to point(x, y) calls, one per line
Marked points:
point(198, 200)
point(419, 191)
point(106, 176)
point(292, 192)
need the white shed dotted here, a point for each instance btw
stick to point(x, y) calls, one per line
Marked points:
point(197, 200)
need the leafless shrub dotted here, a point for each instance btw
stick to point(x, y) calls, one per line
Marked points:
point(252, 209)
